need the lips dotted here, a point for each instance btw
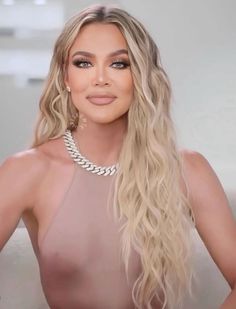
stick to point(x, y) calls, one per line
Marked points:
point(101, 99)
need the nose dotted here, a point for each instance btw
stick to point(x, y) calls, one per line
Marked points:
point(101, 77)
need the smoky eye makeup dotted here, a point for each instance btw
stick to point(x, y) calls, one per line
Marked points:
point(81, 62)
point(118, 63)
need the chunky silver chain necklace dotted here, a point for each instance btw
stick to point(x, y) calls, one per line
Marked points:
point(82, 161)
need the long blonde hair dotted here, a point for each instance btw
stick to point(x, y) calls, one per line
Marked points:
point(158, 217)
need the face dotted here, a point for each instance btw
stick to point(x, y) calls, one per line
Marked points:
point(99, 74)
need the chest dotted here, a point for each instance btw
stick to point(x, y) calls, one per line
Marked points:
point(74, 209)
point(83, 238)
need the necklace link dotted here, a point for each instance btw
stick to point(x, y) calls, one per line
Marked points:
point(83, 162)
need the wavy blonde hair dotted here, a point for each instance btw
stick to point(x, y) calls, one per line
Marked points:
point(158, 217)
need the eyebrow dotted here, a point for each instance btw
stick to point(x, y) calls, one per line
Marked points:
point(88, 54)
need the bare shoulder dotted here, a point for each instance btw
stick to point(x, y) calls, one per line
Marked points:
point(24, 164)
point(200, 176)
point(206, 191)
point(24, 171)
point(19, 178)
point(35, 160)
point(20, 174)
point(213, 216)
point(192, 158)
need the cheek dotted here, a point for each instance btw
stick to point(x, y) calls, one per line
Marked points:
point(126, 85)
point(126, 91)
point(78, 81)
point(130, 91)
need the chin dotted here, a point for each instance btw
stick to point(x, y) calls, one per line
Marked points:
point(104, 121)
point(108, 118)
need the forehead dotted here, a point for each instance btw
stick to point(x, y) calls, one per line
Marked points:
point(99, 38)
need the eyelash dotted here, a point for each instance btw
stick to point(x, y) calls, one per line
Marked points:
point(80, 61)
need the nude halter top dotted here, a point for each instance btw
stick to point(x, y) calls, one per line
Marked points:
point(79, 258)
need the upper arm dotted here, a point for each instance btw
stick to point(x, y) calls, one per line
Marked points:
point(19, 175)
point(214, 219)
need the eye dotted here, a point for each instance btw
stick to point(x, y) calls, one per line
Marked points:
point(120, 64)
point(82, 63)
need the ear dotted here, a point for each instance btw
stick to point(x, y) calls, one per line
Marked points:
point(66, 82)
point(67, 85)
point(65, 74)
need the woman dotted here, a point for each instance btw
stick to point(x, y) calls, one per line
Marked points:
point(108, 199)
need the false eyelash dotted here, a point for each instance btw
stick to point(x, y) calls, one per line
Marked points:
point(81, 60)
point(124, 63)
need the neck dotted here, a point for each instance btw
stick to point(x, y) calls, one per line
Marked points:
point(101, 143)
